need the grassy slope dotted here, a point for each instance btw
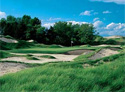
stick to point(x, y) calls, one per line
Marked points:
point(68, 76)
point(4, 54)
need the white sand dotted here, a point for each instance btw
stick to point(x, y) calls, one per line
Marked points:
point(8, 40)
point(103, 53)
point(59, 57)
point(6, 67)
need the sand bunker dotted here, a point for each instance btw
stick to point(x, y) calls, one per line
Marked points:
point(103, 53)
point(59, 57)
point(6, 67)
point(105, 45)
point(78, 52)
point(8, 40)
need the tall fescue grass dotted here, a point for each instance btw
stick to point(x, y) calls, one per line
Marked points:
point(68, 76)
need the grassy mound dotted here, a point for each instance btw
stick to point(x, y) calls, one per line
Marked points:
point(48, 56)
point(4, 54)
point(69, 76)
point(20, 44)
point(31, 57)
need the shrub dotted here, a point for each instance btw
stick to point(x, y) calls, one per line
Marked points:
point(110, 41)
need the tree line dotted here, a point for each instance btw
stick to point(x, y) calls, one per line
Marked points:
point(26, 28)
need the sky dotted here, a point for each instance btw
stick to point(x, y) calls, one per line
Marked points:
point(107, 16)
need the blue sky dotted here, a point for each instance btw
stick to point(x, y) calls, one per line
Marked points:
point(108, 16)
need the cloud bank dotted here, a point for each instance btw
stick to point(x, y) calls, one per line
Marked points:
point(110, 29)
point(114, 1)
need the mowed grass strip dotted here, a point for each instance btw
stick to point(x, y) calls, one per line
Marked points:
point(50, 50)
point(68, 76)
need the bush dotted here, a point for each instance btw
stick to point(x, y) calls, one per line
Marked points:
point(110, 41)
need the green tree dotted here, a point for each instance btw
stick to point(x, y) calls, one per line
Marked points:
point(87, 33)
point(40, 35)
point(63, 32)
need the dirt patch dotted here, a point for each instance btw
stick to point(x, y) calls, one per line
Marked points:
point(103, 53)
point(7, 67)
point(78, 52)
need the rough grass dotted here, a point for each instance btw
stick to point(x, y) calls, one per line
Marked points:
point(4, 54)
point(68, 76)
point(48, 56)
point(20, 44)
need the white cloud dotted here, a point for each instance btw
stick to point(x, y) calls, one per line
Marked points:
point(105, 12)
point(47, 25)
point(110, 29)
point(116, 26)
point(98, 24)
point(2, 14)
point(52, 19)
point(88, 13)
point(95, 19)
point(75, 22)
point(114, 1)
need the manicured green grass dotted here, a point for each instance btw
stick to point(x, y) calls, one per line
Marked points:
point(48, 56)
point(50, 50)
point(47, 46)
point(69, 76)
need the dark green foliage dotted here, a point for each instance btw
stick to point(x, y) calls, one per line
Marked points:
point(110, 41)
point(27, 28)
point(86, 34)
point(20, 28)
